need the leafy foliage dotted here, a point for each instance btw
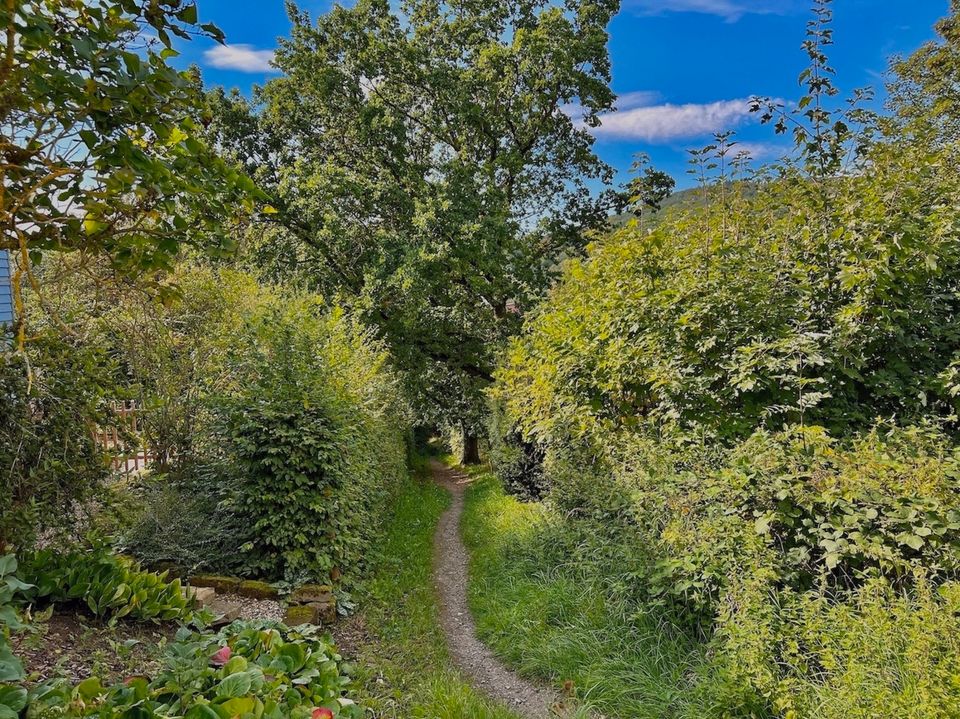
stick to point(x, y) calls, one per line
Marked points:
point(410, 150)
point(517, 462)
point(249, 670)
point(13, 698)
point(101, 152)
point(754, 403)
point(108, 585)
point(51, 397)
point(288, 429)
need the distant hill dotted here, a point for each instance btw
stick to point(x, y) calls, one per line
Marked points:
point(684, 198)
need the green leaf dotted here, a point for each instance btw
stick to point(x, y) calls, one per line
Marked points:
point(8, 564)
point(235, 685)
point(188, 14)
point(11, 669)
point(201, 711)
point(14, 698)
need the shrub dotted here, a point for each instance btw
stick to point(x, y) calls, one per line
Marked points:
point(182, 519)
point(517, 462)
point(51, 397)
point(292, 427)
point(876, 652)
point(314, 441)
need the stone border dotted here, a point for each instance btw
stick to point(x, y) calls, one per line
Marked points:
point(308, 604)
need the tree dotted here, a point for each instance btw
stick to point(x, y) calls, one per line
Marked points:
point(99, 148)
point(430, 161)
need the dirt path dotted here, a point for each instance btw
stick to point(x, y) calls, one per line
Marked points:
point(470, 655)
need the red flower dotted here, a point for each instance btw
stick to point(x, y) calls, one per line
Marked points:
point(221, 657)
point(322, 713)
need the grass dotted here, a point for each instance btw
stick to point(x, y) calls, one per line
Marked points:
point(556, 620)
point(405, 671)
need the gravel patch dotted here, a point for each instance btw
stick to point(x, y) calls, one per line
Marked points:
point(251, 608)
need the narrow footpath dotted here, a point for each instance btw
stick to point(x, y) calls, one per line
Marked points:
point(470, 655)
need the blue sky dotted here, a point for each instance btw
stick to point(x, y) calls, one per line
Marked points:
point(683, 68)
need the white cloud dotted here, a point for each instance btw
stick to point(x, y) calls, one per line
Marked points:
point(638, 98)
point(729, 10)
point(244, 58)
point(759, 150)
point(662, 123)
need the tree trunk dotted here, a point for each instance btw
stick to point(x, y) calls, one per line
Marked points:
point(471, 448)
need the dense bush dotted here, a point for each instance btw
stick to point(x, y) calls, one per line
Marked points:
point(52, 396)
point(754, 402)
point(517, 462)
point(181, 519)
point(291, 429)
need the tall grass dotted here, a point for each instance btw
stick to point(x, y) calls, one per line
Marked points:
point(556, 610)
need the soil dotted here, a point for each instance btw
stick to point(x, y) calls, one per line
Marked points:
point(350, 635)
point(75, 647)
point(470, 655)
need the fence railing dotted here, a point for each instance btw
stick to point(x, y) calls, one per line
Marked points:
point(125, 439)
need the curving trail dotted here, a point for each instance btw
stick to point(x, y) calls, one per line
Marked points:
point(471, 656)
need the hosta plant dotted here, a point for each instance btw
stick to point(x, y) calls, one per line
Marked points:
point(250, 670)
point(110, 586)
point(13, 698)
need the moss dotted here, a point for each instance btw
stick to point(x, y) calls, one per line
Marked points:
point(216, 581)
point(309, 593)
point(257, 590)
point(299, 615)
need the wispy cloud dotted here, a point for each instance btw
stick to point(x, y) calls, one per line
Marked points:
point(729, 10)
point(760, 150)
point(666, 122)
point(245, 58)
point(638, 98)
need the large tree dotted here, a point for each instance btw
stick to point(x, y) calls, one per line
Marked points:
point(433, 162)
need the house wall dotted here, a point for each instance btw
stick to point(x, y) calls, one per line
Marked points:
point(6, 296)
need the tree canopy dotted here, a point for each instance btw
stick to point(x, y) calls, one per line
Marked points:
point(433, 162)
point(100, 148)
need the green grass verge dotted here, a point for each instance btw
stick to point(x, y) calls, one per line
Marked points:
point(406, 671)
point(560, 621)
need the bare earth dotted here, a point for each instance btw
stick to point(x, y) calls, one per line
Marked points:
point(470, 655)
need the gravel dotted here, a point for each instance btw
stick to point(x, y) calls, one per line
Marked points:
point(254, 608)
